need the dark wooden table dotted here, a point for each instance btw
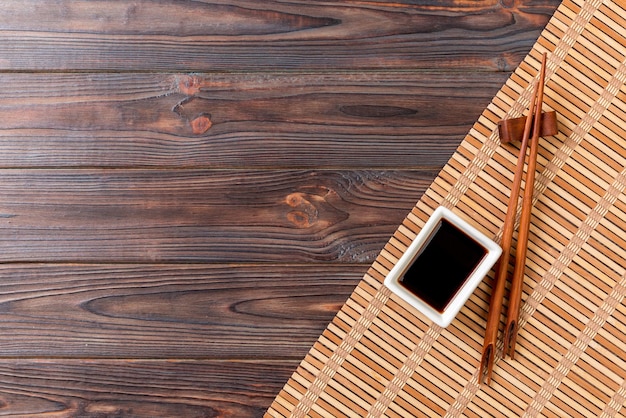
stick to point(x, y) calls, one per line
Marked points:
point(190, 190)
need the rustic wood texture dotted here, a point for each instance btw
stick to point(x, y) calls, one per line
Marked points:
point(189, 215)
point(189, 190)
point(147, 311)
point(243, 35)
point(175, 388)
point(239, 120)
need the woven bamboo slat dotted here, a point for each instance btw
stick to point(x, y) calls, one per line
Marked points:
point(379, 357)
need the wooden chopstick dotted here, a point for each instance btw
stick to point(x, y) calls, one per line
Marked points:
point(497, 294)
point(515, 298)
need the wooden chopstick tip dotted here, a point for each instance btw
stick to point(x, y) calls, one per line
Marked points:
point(486, 365)
point(510, 336)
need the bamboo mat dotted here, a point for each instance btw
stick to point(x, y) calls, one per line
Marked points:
point(379, 357)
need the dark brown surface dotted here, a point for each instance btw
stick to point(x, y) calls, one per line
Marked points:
point(512, 130)
point(189, 191)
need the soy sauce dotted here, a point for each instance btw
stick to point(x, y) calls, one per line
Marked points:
point(446, 260)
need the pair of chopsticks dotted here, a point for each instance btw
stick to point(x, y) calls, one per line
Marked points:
point(533, 121)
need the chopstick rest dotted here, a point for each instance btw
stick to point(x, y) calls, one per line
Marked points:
point(511, 130)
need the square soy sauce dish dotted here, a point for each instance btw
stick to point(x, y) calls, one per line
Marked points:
point(443, 266)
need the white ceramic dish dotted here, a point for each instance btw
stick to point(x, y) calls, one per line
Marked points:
point(394, 279)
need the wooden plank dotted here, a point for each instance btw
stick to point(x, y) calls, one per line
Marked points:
point(152, 35)
point(93, 215)
point(140, 388)
point(188, 311)
point(239, 120)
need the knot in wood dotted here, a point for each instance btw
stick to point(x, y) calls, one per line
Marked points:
point(189, 85)
point(305, 213)
point(201, 124)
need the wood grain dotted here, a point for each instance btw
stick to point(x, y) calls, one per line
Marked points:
point(189, 190)
point(139, 388)
point(251, 36)
point(195, 311)
point(202, 215)
point(412, 120)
